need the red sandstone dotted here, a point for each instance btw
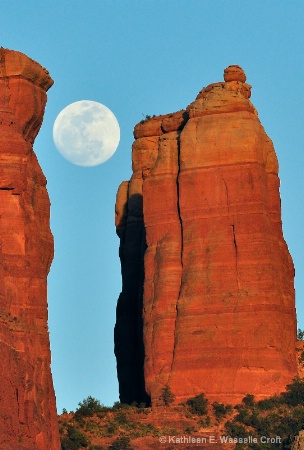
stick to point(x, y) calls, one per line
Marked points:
point(28, 419)
point(213, 280)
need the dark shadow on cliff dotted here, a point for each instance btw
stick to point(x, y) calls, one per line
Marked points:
point(128, 332)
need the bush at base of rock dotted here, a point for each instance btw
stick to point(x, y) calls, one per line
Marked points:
point(121, 443)
point(198, 404)
point(74, 439)
point(167, 396)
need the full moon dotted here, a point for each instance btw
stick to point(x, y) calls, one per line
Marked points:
point(86, 133)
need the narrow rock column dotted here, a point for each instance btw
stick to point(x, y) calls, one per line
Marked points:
point(28, 418)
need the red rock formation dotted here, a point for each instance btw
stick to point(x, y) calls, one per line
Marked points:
point(28, 419)
point(218, 304)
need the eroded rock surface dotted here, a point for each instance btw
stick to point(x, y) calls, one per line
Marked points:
point(299, 441)
point(207, 303)
point(28, 418)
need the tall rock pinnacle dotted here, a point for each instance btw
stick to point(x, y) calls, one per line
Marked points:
point(207, 303)
point(28, 419)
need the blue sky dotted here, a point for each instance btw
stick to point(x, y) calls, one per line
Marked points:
point(141, 57)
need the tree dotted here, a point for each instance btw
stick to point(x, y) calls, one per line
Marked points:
point(167, 396)
point(198, 404)
point(74, 439)
point(88, 407)
point(294, 394)
point(300, 335)
point(221, 410)
point(248, 400)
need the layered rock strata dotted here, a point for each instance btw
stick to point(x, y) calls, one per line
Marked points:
point(207, 303)
point(28, 418)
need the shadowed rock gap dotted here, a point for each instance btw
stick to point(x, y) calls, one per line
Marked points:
point(236, 256)
point(182, 243)
point(128, 332)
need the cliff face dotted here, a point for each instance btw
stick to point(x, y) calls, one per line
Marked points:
point(28, 418)
point(207, 303)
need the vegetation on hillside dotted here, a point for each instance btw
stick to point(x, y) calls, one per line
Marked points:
point(279, 419)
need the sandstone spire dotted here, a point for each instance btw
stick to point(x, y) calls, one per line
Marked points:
point(28, 419)
point(207, 303)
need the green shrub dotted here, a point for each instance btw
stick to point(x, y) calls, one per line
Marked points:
point(191, 429)
point(167, 397)
point(294, 394)
point(148, 429)
point(142, 405)
point(121, 443)
point(235, 430)
point(248, 418)
point(269, 403)
point(277, 416)
point(74, 439)
point(112, 428)
point(88, 407)
point(118, 405)
point(220, 410)
point(300, 335)
point(66, 444)
point(290, 425)
point(141, 429)
point(121, 418)
point(248, 400)
point(198, 405)
point(91, 426)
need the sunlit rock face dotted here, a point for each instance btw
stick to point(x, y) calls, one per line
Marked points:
point(28, 412)
point(207, 303)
